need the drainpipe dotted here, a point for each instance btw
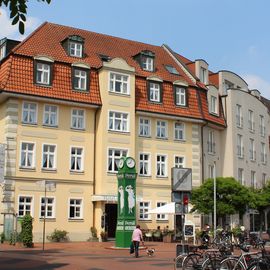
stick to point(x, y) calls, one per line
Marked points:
point(202, 150)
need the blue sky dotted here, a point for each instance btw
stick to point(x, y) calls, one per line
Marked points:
point(229, 34)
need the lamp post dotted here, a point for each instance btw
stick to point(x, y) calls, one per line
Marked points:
point(215, 201)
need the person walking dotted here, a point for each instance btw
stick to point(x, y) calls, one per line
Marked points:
point(136, 238)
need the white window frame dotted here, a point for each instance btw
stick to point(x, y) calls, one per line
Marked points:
point(49, 154)
point(145, 209)
point(30, 113)
point(211, 171)
point(161, 217)
point(145, 163)
point(239, 116)
point(240, 175)
point(52, 205)
point(263, 153)
point(80, 207)
point(144, 127)
point(160, 164)
point(213, 104)
point(252, 152)
point(154, 92)
point(79, 119)
point(211, 145)
point(123, 82)
point(262, 126)
point(50, 115)
point(115, 160)
point(251, 124)
point(253, 182)
point(33, 152)
point(147, 63)
point(178, 164)
point(178, 131)
point(31, 204)
point(180, 96)
point(80, 79)
point(203, 75)
point(264, 179)
point(123, 120)
point(161, 129)
point(43, 73)
point(240, 147)
point(75, 49)
point(76, 156)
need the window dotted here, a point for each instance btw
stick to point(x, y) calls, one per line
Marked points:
point(114, 156)
point(179, 162)
point(118, 121)
point(144, 207)
point(161, 129)
point(144, 164)
point(213, 104)
point(50, 116)
point(80, 80)
point(240, 147)
point(77, 119)
point(228, 85)
point(252, 153)
point(211, 171)
point(29, 113)
point(145, 127)
point(147, 63)
point(75, 49)
point(43, 73)
point(47, 207)
point(253, 179)
point(263, 153)
point(172, 70)
point(76, 159)
point(161, 216)
point(119, 83)
point(180, 96)
point(251, 124)
point(27, 155)
point(161, 166)
point(211, 145)
point(241, 176)
point(262, 126)
point(239, 116)
point(2, 51)
point(264, 179)
point(48, 156)
point(203, 75)
point(179, 131)
point(25, 206)
point(75, 208)
point(154, 92)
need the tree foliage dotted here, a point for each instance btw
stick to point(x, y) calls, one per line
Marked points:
point(18, 11)
point(232, 197)
point(27, 231)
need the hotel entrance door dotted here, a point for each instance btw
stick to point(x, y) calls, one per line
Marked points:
point(111, 219)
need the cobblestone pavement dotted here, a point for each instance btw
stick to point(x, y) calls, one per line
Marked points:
point(85, 256)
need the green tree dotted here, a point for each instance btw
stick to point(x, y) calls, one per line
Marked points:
point(232, 197)
point(27, 231)
point(18, 10)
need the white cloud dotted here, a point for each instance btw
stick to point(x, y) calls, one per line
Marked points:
point(12, 31)
point(256, 82)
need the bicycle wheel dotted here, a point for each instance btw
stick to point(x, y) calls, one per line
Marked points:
point(211, 264)
point(179, 262)
point(231, 264)
point(191, 261)
point(259, 265)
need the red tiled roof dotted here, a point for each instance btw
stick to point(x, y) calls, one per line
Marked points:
point(214, 79)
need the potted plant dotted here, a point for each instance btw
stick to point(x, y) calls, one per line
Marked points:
point(94, 234)
point(104, 236)
point(3, 237)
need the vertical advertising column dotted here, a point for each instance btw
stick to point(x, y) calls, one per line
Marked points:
point(126, 210)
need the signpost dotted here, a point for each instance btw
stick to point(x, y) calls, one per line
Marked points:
point(126, 211)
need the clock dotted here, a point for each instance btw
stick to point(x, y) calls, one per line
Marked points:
point(130, 162)
point(121, 163)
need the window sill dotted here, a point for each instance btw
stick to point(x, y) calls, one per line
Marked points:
point(50, 126)
point(214, 114)
point(162, 220)
point(29, 124)
point(212, 153)
point(27, 169)
point(119, 132)
point(75, 220)
point(251, 130)
point(43, 85)
point(144, 176)
point(47, 219)
point(76, 172)
point(119, 94)
point(240, 126)
point(77, 129)
point(144, 136)
point(240, 157)
point(48, 170)
point(145, 220)
point(162, 177)
point(160, 138)
point(184, 106)
point(155, 102)
point(111, 173)
point(180, 140)
point(83, 91)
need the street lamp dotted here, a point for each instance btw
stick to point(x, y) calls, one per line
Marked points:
point(215, 201)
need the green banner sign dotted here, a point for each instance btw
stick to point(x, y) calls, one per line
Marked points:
point(126, 217)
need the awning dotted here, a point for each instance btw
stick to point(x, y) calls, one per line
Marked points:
point(106, 198)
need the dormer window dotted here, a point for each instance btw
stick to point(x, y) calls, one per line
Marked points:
point(146, 60)
point(75, 49)
point(180, 95)
point(154, 90)
point(43, 70)
point(80, 77)
point(74, 46)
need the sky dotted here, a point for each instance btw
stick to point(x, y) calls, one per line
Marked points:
point(229, 35)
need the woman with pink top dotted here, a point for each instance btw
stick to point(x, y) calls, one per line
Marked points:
point(136, 238)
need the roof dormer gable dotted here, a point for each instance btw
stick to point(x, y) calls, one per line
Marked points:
point(74, 46)
point(146, 60)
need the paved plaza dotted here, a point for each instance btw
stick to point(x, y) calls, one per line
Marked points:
point(85, 256)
